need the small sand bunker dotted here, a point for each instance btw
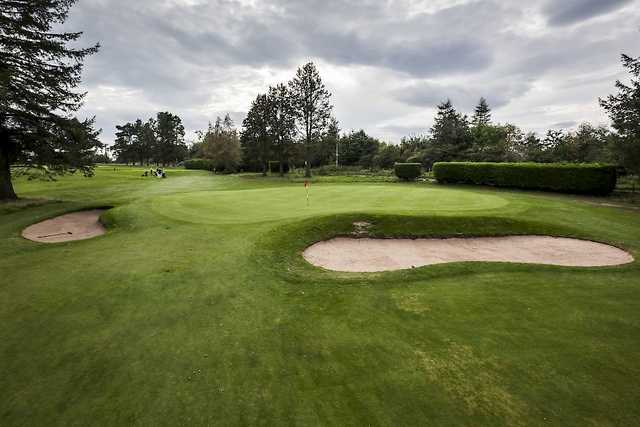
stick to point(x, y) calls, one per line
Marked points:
point(371, 255)
point(73, 226)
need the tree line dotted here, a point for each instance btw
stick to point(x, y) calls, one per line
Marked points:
point(158, 140)
point(40, 69)
point(298, 111)
point(292, 123)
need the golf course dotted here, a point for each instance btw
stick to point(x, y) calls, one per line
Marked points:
point(197, 307)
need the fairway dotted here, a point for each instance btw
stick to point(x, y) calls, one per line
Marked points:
point(197, 308)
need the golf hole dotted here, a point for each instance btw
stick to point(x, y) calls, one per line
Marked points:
point(69, 227)
point(348, 254)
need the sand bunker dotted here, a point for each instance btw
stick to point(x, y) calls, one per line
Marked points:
point(370, 255)
point(73, 226)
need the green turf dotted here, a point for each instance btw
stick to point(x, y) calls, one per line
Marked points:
point(196, 308)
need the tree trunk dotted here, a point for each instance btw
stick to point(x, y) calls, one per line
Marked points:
point(307, 161)
point(6, 187)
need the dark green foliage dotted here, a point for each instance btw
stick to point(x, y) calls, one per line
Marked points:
point(281, 122)
point(136, 142)
point(624, 111)
point(274, 167)
point(70, 147)
point(482, 114)
point(159, 140)
point(358, 148)
point(40, 67)
point(568, 178)
point(453, 137)
point(255, 138)
point(202, 164)
point(387, 156)
point(169, 139)
point(312, 106)
point(408, 171)
point(493, 143)
point(221, 144)
point(324, 150)
point(450, 133)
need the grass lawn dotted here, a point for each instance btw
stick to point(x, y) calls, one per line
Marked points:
point(196, 308)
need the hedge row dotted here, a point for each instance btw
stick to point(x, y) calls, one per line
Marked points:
point(586, 178)
point(203, 164)
point(408, 171)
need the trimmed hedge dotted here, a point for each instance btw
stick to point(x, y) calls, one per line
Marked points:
point(203, 164)
point(408, 171)
point(584, 178)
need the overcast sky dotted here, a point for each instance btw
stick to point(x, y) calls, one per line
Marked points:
point(541, 63)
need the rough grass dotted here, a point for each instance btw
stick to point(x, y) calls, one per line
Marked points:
point(197, 309)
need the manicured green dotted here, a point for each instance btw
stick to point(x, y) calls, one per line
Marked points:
point(585, 178)
point(408, 171)
point(197, 308)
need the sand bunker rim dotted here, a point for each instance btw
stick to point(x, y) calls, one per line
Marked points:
point(365, 254)
point(72, 226)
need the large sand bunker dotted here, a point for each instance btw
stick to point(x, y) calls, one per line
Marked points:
point(73, 226)
point(371, 255)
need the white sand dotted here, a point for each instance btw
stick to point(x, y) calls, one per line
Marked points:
point(74, 226)
point(370, 255)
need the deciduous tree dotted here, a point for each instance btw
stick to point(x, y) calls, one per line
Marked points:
point(221, 145)
point(255, 138)
point(281, 122)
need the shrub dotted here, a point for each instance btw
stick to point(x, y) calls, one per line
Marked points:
point(585, 178)
point(203, 164)
point(274, 167)
point(408, 171)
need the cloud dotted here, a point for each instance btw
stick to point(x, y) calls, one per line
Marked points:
point(564, 125)
point(464, 95)
point(387, 63)
point(569, 12)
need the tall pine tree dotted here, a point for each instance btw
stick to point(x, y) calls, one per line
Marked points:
point(449, 134)
point(311, 101)
point(482, 114)
point(624, 111)
point(39, 72)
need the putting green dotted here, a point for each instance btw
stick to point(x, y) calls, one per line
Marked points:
point(251, 206)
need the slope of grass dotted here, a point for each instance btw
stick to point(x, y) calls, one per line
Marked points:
point(197, 309)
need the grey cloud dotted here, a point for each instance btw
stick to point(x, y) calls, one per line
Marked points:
point(569, 12)
point(147, 37)
point(464, 95)
point(564, 125)
point(197, 58)
point(404, 130)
